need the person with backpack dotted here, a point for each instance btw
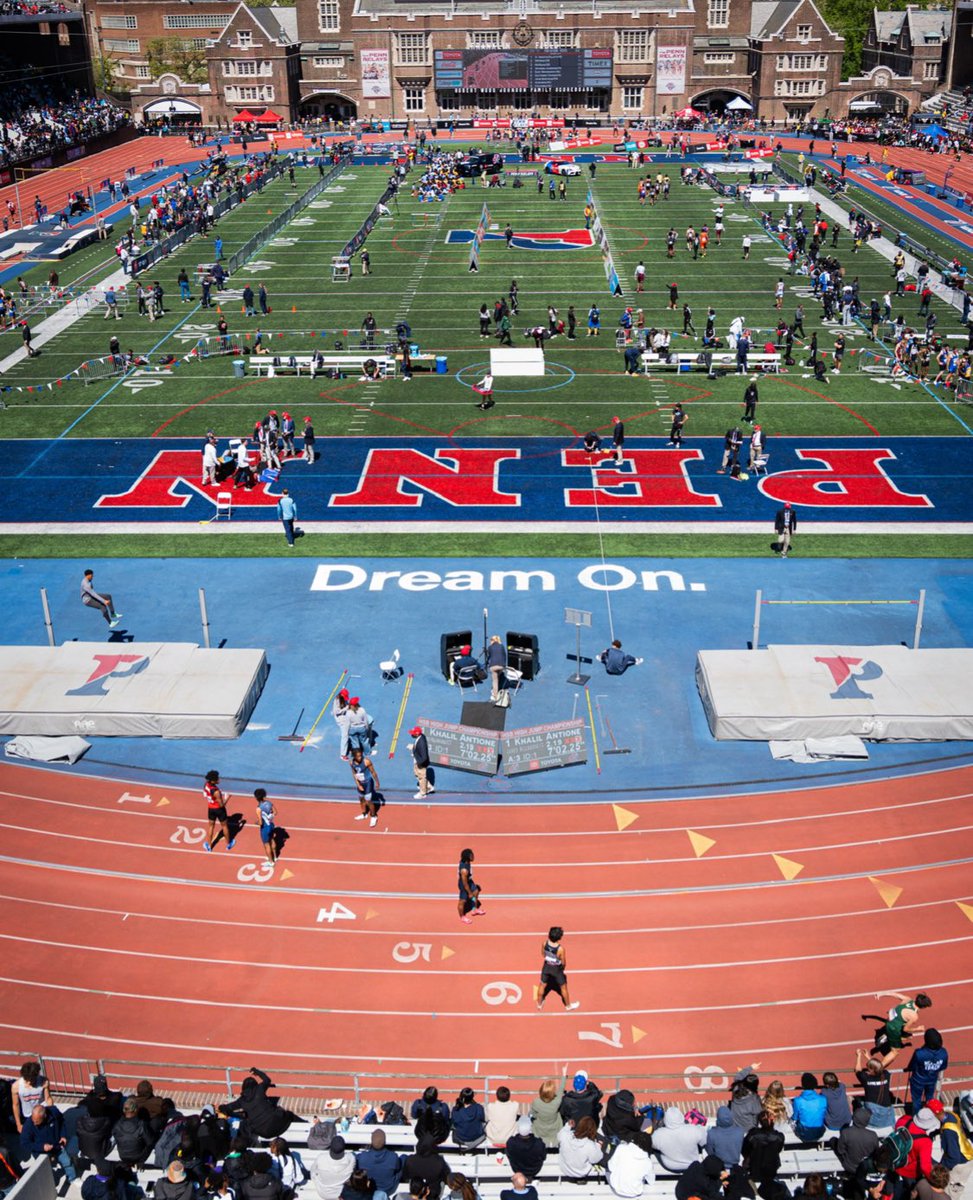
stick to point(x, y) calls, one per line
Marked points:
point(956, 1140)
point(431, 1116)
point(131, 1135)
point(289, 1168)
point(911, 1145)
point(761, 1149)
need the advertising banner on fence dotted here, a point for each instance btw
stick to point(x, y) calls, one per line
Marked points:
point(375, 80)
point(670, 70)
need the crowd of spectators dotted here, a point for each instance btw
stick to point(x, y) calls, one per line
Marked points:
point(23, 8)
point(39, 118)
point(125, 1145)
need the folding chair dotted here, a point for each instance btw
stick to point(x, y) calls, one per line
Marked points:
point(467, 675)
point(224, 506)
point(513, 676)
point(390, 669)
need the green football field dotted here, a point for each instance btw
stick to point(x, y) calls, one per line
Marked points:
point(418, 277)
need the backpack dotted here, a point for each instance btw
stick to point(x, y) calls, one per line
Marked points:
point(321, 1135)
point(966, 1114)
point(899, 1143)
point(394, 1113)
point(502, 700)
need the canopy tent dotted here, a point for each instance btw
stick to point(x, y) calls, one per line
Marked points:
point(685, 114)
point(268, 117)
point(246, 115)
point(934, 131)
point(738, 104)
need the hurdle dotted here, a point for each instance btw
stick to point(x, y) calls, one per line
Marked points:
point(760, 602)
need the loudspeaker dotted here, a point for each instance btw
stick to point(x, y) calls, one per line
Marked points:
point(449, 647)
point(523, 654)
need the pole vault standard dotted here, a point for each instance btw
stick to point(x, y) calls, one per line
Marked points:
point(759, 602)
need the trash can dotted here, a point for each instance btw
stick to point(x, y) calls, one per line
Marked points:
point(932, 188)
point(441, 367)
point(239, 368)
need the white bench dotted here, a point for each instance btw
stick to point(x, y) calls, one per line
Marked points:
point(517, 360)
point(689, 360)
point(311, 364)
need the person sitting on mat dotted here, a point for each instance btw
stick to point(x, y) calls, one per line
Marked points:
point(616, 661)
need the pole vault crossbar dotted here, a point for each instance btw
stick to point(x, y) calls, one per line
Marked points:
point(760, 602)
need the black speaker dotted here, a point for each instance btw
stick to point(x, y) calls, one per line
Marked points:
point(449, 647)
point(523, 654)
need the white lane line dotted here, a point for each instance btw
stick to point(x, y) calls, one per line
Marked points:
point(785, 848)
point(573, 896)
point(749, 1054)
point(506, 934)
point(584, 833)
point(490, 973)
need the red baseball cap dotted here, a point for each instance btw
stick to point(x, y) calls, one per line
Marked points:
point(465, 649)
point(415, 732)
point(353, 700)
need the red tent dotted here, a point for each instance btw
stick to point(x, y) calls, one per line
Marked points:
point(687, 113)
point(268, 117)
point(244, 116)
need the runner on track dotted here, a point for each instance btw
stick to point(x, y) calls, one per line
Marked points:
point(216, 810)
point(553, 977)
point(468, 905)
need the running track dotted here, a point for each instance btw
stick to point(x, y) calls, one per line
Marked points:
point(124, 940)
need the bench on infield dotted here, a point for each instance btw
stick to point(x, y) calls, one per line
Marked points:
point(318, 364)
point(691, 360)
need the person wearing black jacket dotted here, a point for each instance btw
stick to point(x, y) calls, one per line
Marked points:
point(583, 1100)
point(263, 1184)
point(263, 1116)
point(761, 1149)
point(102, 1102)
point(132, 1137)
point(703, 1180)
point(420, 762)
point(94, 1138)
point(622, 1120)
point(525, 1151)
point(785, 523)
point(427, 1165)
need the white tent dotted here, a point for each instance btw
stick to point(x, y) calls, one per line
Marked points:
point(738, 104)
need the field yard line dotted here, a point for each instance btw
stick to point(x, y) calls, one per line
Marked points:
point(412, 528)
point(422, 262)
point(104, 396)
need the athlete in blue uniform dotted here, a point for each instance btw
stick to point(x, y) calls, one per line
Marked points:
point(469, 905)
point(553, 976)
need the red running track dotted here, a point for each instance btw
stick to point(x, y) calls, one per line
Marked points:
point(122, 939)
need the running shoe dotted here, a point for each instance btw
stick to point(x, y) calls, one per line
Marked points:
point(207, 847)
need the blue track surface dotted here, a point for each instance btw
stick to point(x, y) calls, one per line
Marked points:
point(860, 480)
point(654, 710)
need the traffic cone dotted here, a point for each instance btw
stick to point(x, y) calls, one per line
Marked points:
point(293, 308)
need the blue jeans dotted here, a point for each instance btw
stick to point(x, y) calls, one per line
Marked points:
point(358, 739)
point(921, 1092)
point(184, 289)
point(288, 530)
point(66, 1165)
point(881, 1118)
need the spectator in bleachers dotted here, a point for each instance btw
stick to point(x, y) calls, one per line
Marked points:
point(384, 1166)
point(744, 1100)
point(175, 1185)
point(332, 1169)
point(545, 1111)
point(519, 1189)
point(877, 1085)
point(358, 1186)
point(703, 1180)
point(676, 1142)
point(761, 1149)
point(262, 1113)
point(501, 1117)
point(838, 1112)
point(468, 1121)
point(131, 1135)
point(212, 1135)
point(525, 1150)
point(809, 1110)
point(583, 1099)
point(925, 1067)
point(94, 1138)
point(187, 1152)
point(921, 1128)
point(725, 1139)
point(579, 1148)
point(263, 1184)
point(150, 1107)
point(38, 118)
point(777, 1104)
point(427, 1167)
point(29, 1090)
point(630, 1168)
point(238, 1164)
point(460, 1187)
point(622, 1119)
point(431, 1116)
point(101, 1101)
point(289, 1168)
point(43, 1135)
point(957, 1145)
point(856, 1141)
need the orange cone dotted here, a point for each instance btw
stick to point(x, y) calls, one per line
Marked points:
point(293, 308)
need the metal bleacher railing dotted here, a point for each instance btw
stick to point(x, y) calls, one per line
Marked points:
point(703, 1087)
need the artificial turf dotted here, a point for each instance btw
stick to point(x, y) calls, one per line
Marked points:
point(418, 277)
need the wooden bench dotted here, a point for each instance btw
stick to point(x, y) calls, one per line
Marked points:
point(314, 364)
